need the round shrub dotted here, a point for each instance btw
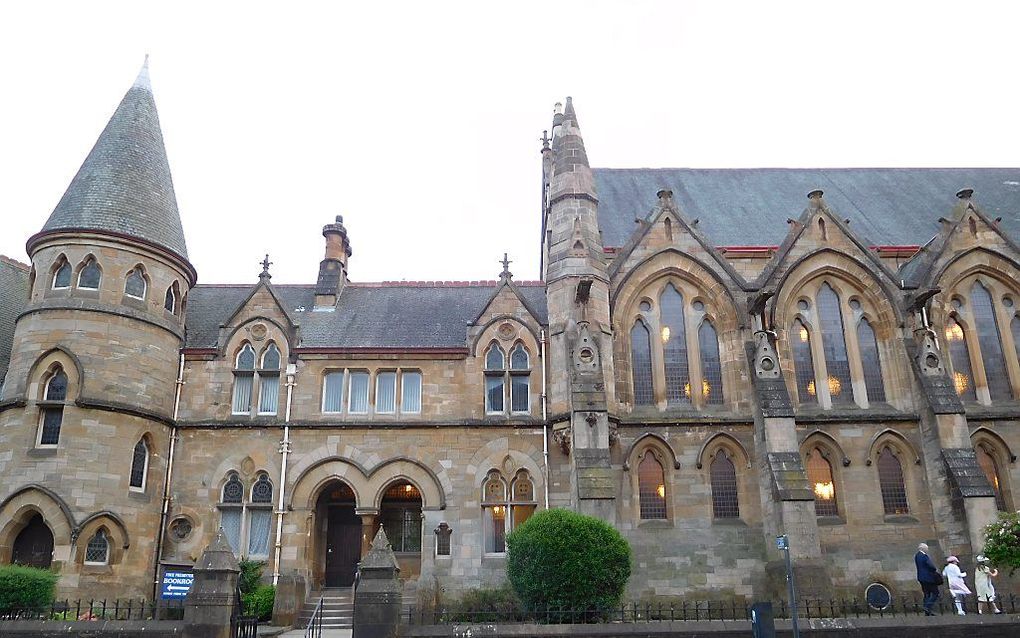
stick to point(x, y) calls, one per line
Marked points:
point(562, 559)
point(25, 587)
point(1002, 541)
point(259, 602)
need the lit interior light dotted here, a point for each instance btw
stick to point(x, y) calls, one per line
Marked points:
point(706, 388)
point(835, 387)
point(665, 334)
point(661, 490)
point(961, 381)
point(803, 334)
point(408, 488)
point(811, 388)
point(954, 332)
point(825, 491)
point(687, 389)
point(497, 510)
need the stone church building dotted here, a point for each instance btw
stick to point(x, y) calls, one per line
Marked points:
point(711, 358)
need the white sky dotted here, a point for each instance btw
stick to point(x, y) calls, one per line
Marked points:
point(419, 122)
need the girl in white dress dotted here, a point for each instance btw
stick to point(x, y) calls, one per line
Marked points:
point(957, 587)
point(983, 575)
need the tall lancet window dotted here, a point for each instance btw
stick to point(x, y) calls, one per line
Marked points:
point(725, 503)
point(651, 488)
point(52, 408)
point(520, 379)
point(641, 362)
point(244, 379)
point(711, 365)
point(139, 466)
point(959, 356)
point(90, 275)
point(837, 362)
point(991, 343)
point(134, 284)
point(674, 347)
point(495, 379)
point(62, 275)
point(868, 345)
point(269, 380)
point(804, 367)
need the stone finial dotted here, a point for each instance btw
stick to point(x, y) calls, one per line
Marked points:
point(965, 193)
point(665, 196)
point(815, 194)
point(506, 275)
point(380, 555)
point(218, 555)
point(264, 275)
point(380, 541)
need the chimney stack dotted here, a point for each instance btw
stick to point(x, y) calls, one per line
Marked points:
point(333, 267)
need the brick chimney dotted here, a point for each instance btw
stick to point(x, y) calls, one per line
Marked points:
point(333, 268)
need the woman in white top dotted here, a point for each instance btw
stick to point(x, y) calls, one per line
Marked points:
point(957, 587)
point(983, 575)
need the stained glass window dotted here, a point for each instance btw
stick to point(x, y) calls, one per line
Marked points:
point(991, 343)
point(837, 362)
point(819, 472)
point(641, 364)
point(890, 478)
point(651, 488)
point(868, 345)
point(233, 490)
point(724, 487)
point(959, 356)
point(711, 365)
point(804, 367)
point(674, 347)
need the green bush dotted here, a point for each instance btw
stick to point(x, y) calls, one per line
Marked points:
point(25, 587)
point(259, 602)
point(251, 574)
point(562, 559)
point(1002, 541)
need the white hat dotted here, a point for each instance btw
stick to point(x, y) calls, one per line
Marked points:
point(982, 558)
point(952, 559)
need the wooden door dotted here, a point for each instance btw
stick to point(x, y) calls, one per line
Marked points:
point(343, 545)
point(34, 545)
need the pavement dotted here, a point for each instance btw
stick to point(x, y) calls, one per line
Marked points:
point(326, 633)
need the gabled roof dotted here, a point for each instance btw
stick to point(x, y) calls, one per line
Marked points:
point(124, 184)
point(738, 207)
point(13, 297)
point(386, 315)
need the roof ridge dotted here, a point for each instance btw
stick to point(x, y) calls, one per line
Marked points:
point(10, 261)
point(427, 283)
point(804, 168)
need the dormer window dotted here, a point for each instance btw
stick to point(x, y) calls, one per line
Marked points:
point(134, 284)
point(90, 275)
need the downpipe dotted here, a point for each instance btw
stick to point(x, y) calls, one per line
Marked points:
point(545, 421)
point(285, 451)
point(168, 477)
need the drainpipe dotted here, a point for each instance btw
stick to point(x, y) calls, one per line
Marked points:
point(285, 451)
point(165, 509)
point(545, 422)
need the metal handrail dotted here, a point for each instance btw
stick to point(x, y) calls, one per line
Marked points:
point(314, 627)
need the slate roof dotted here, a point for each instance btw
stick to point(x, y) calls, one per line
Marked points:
point(13, 296)
point(124, 185)
point(387, 315)
point(739, 207)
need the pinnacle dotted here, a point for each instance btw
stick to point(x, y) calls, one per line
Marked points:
point(142, 81)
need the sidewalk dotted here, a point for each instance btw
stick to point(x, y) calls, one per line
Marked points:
point(326, 633)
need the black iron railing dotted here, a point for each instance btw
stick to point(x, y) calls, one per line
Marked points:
point(82, 609)
point(697, 610)
point(314, 627)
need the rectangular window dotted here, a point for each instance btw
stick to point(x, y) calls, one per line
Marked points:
point(259, 522)
point(358, 393)
point(410, 389)
point(333, 392)
point(495, 529)
point(230, 521)
point(269, 396)
point(50, 429)
point(242, 393)
point(494, 394)
point(519, 393)
point(443, 534)
point(385, 392)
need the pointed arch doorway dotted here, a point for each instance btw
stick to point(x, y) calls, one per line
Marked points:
point(340, 538)
point(34, 544)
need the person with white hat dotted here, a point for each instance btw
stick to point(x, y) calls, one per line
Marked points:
point(957, 586)
point(983, 575)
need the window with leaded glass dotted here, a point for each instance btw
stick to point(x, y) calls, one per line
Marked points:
point(674, 347)
point(803, 365)
point(711, 365)
point(260, 516)
point(651, 487)
point(134, 284)
point(725, 503)
point(139, 465)
point(62, 275)
point(641, 363)
point(231, 511)
point(867, 343)
point(262, 489)
point(410, 392)
point(90, 275)
point(959, 357)
point(400, 512)
point(385, 392)
point(244, 379)
point(837, 362)
point(890, 478)
point(269, 380)
point(990, 342)
point(97, 550)
point(990, 466)
point(247, 524)
point(51, 409)
point(1014, 327)
point(333, 392)
point(819, 472)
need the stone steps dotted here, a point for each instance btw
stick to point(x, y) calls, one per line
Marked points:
point(338, 608)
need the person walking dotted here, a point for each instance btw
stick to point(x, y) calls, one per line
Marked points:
point(983, 575)
point(957, 587)
point(929, 577)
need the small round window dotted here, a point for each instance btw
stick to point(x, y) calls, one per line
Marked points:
point(878, 596)
point(802, 304)
point(645, 306)
point(180, 529)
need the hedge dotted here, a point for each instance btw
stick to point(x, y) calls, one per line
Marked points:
point(25, 587)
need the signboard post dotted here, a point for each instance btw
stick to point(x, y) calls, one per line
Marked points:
point(783, 545)
point(175, 584)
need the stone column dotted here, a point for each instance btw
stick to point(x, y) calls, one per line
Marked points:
point(210, 602)
point(368, 516)
point(377, 599)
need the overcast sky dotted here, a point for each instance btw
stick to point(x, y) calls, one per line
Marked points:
point(419, 122)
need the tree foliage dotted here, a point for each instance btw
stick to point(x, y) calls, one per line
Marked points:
point(1002, 541)
point(562, 559)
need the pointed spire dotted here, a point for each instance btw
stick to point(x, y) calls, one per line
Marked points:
point(124, 186)
point(568, 113)
point(568, 144)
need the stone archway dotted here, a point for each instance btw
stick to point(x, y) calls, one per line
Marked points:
point(33, 546)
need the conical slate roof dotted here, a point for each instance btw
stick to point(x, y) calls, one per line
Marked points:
point(124, 185)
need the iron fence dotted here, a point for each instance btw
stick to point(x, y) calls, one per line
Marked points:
point(314, 627)
point(118, 609)
point(696, 610)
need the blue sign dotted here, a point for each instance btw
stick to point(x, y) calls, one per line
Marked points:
point(782, 544)
point(176, 584)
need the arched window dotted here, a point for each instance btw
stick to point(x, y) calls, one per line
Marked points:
point(819, 472)
point(400, 512)
point(269, 380)
point(990, 342)
point(674, 347)
point(986, 459)
point(495, 380)
point(837, 362)
point(959, 356)
point(97, 551)
point(51, 410)
point(90, 275)
point(522, 499)
point(651, 488)
point(494, 513)
point(247, 524)
point(868, 346)
point(890, 478)
point(62, 275)
point(134, 284)
point(1014, 327)
point(725, 503)
point(170, 300)
point(233, 490)
point(803, 366)
point(711, 365)
point(260, 516)
point(641, 363)
point(139, 465)
point(520, 379)
point(244, 379)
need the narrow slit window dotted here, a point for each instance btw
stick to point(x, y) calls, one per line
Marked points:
point(170, 300)
point(725, 503)
point(52, 415)
point(410, 392)
point(868, 345)
point(804, 367)
point(890, 477)
point(139, 465)
point(641, 364)
point(711, 365)
point(837, 362)
point(990, 342)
